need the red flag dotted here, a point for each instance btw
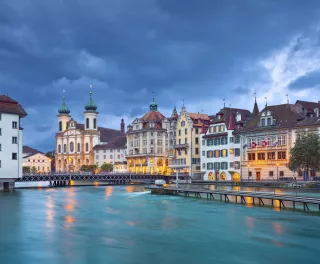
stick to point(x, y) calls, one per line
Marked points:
point(264, 143)
point(253, 144)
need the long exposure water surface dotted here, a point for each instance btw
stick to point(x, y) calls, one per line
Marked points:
point(129, 225)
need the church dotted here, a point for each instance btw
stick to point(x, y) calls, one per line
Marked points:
point(75, 141)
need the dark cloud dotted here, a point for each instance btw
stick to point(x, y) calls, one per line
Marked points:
point(189, 49)
point(309, 80)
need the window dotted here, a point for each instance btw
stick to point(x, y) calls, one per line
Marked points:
point(111, 156)
point(104, 156)
point(231, 139)
point(60, 126)
point(14, 156)
point(65, 148)
point(197, 131)
point(78, 149)
point(224, 165)
point(203, 165)
point(87, 123)
point(137, 126)
point(1, 149)
point(231, 165)
point(185, 131)
point(237, 152)
point(271, 155)
point(14, 140)
point(282, 140)
point(87, 147)
point(118, 150)
point(0, 132)
point(197, 141)
point(269, 121)
point(179, 132)
point(209, 154)
point(97, 157)
point(281, 173)
point(185, 141)
point(71, 146)
point(151, 141)
point(210, 142)
point(186, 152)
point(209, 165)
point(261, 156)
point(217, 165)
point(237, 139)
point(118, 156)
point(203, 142)
point(250, 173)
point(221, 128)
point(217, 153)
point(237, 165)
point(179, 141)
point(281, 155)
point(203, 153)
point(231, 151)
point(224, 153)
point(14, 124)
point(182, 123)
point(270, 173)
point(263, 122)
point(197, 150)
point(94, 123)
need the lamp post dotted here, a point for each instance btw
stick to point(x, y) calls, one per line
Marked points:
point(277, 171)
point(248, 171)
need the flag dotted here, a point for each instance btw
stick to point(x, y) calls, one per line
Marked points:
point(276, 143)
point(245, 146)
point(253, 144)
point(264, 143)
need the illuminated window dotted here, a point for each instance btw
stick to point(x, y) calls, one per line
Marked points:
point(231, 151)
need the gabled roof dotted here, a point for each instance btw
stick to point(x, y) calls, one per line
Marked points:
point(29, 150)
point(118, 143)
point(10, 106)
point(308, 105)
point(229, 115)
point(199, 120)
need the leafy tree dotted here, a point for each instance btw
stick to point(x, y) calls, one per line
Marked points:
point(305, 155)
point(107, 167)
point(26, 169)
point(33, 170)
point(88, 168)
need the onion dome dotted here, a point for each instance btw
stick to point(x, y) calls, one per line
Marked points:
point(64, 109)
point(153, 106)
point(91, 105)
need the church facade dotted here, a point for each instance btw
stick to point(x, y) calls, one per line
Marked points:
point(75, 141)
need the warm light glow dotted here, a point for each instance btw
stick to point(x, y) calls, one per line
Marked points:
point(96, 183)
point(129, 189)
point(108, 191)
point(69, 207)
point(277, 164)
point(69, 219)
point(72, 182)
point(249, 201)
point(248, 165)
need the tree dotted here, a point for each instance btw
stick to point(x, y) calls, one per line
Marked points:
point(88, 168)
point(51, 156)
point(305, 155)
point(26, 169)
point(107, 167)
point(33, 170)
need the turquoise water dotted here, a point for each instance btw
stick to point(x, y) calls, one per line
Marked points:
point(129, 225)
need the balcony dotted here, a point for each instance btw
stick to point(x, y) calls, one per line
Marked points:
point(253, 163)
point(180, 146)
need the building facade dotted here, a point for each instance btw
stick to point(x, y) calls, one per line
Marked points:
point(11, 113)
point(33, 158)
point(75, 142)
point(114, 153)
point(220, 148)
point(269, 136)
point(147, 145)
point(186, 156)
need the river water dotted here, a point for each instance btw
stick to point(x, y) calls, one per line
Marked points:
point(126, 224)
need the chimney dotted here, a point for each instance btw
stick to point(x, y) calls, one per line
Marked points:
point(122, 125)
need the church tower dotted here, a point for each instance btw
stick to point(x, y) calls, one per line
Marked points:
point(63, 116)
point(122, 125)
point(90, 115)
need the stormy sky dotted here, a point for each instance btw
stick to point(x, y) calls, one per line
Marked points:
point(199, 51)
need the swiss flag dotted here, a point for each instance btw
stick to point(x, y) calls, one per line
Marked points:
point(264, 143)
point(253, 144)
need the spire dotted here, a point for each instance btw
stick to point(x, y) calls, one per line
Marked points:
point(266, 102)
point(91, 105)
point(255, 110)
point(183, 108)
point(174, 112)
point(153, 106)
point(64, 109)
point(122, 125)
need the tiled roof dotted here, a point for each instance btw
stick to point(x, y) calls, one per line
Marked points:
point(106, 134)
point(198, 119)
point(118, 143)
point(226, 112)
point(308, 105)
point(10, 106)
point(311, 121)
point(153, 116)
point(29, 150)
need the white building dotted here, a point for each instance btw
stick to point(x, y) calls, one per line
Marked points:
point(113, 153)
point(10, 141)
point(220, 148)
point(33, 158)
point(75, 142)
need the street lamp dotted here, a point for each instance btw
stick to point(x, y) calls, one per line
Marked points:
point(248, 171)
point(277, 171)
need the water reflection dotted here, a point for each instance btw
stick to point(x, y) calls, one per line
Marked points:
point(249, 201)
point(69, 220)
point(108, 191)
point(129, 188)
point(49, 213)
point(278, 228)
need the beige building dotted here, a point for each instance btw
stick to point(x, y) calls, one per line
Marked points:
point(75, 142)
point(37, 159)
point(147, 144)
point(186, 156)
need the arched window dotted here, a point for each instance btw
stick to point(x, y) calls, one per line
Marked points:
point(87, 123)
point(60, 126)
point(78, 149)
point(65, 148)
point(94, 123)
point(71, 146)
point(59, 148)
point(87, 147)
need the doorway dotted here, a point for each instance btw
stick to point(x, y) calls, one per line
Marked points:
point(258, 175)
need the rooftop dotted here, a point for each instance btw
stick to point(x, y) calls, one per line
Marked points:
point(10, 106)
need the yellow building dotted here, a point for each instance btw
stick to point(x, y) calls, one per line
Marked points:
point(147, 143)
point(186, 157)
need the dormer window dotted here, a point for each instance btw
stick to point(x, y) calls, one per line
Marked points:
point(183, 123)
point(151, 124)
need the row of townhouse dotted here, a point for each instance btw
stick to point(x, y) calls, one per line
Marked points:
point(255, 146)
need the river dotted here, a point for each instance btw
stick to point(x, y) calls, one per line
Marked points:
point(126, 224)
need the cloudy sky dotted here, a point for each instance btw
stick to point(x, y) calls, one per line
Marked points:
point(199, 51)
